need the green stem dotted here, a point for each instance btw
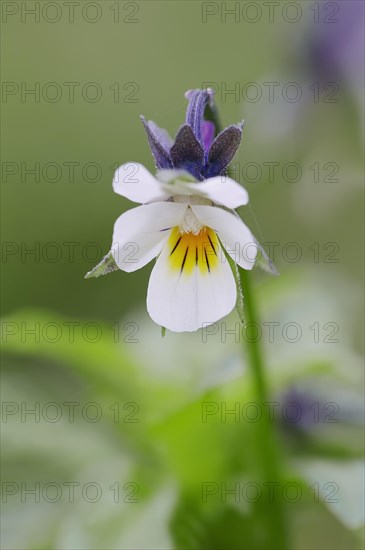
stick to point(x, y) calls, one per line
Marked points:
point(254, 348)
point(266, 445)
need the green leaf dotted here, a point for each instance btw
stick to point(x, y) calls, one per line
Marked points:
point(104, 362)
point(107, 265)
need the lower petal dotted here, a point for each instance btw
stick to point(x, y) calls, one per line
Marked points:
point(191, 285)
point(139, 233)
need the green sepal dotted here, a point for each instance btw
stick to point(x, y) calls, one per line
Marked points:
point(107, 265)
point(236, 275)
point(163, 332)
point(263, 261)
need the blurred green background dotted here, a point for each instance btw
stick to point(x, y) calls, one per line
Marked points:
point(150, 443)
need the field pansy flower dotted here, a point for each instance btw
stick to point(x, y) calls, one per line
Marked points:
point(186, 220)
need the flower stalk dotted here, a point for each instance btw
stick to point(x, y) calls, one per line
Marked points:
point(266, 444)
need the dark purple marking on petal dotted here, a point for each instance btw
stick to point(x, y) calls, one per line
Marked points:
point(159, 142)
point(223, 150)
point(187, 153)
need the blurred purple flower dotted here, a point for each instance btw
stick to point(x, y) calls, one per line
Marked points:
point(304, 408)
point(336, 45)
point(300, 411)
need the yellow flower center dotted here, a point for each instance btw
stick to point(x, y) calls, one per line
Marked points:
point(188, 250)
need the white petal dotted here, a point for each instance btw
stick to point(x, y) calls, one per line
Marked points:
point(168, 176)
point(189, 299)
point(236, 238)
point(220, 190)
point(133, 181)
point(139, 233)
point(225, 191)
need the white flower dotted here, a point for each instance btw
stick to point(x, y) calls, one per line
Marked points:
point(184, 224)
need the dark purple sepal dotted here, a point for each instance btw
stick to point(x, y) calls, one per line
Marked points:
point(160, 143)
point(223, 150)
point(198, 100)
point(187, 153)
